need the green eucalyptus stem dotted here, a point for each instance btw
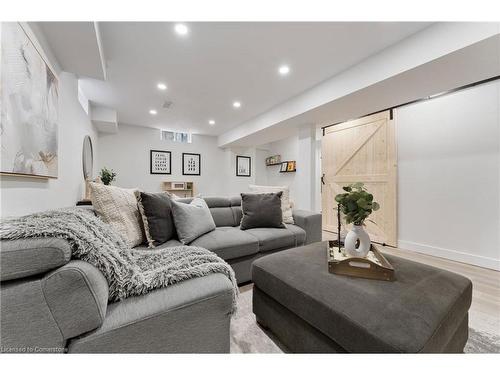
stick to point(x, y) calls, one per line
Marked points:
point(356, 203)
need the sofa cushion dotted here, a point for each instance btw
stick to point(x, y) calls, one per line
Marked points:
point(192, 220)
point(169, 243)
point(156, 213)
point(261, 211)
point(189, 317)
point(277, 238)
point(300, 234)
point(228, 242)
point(118, 207)
point(31, 256)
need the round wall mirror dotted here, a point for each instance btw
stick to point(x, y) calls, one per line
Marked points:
point(87, 157)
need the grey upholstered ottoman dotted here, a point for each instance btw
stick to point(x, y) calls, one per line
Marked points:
point(310, 310)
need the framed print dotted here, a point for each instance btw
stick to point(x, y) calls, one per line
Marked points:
point(291, 166)
point(191, 164)
point(29, 96)
point(284, 166)
point(160, 162)
point(243, 166)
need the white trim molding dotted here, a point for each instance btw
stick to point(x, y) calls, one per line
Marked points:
point(458, 256)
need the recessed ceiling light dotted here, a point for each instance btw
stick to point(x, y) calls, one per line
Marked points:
point(161, 86)
point(211, 122)
point(236, 104)
point(153, 112)
point(284, 70)
point(181, 29)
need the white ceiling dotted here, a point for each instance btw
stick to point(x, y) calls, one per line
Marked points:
point(76, 45)
point(218, 63)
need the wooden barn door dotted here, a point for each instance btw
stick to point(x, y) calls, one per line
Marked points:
point(362, 150)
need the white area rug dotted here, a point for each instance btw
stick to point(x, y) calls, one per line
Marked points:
point(248, 337)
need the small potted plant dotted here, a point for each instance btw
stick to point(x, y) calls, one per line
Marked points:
point(107, 176)
point(356, 204)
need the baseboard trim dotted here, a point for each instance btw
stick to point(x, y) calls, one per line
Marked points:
point(476, 260)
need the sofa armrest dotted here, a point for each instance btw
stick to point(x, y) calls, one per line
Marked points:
point(310, 222)
point(32, 256)
point(77, 297)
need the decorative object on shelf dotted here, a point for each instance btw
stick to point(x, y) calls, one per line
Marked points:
point(178, 185)
point(373, 266)
point(87, 164)
point(243, 166)
point(107, 176)
point(160, 162)
point(356, 204)
point(191, 164)
point(29, 110)
point(173, 187)
point(273, 160)
point(288, 166)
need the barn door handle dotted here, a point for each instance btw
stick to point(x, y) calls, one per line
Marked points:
point(323, 179)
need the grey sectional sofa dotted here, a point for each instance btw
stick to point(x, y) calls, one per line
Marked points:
point(50, 303)
point(241, 247)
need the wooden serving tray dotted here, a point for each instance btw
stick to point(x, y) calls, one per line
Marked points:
point(377, 269)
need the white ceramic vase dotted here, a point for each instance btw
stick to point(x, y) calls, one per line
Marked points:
point(357, 233)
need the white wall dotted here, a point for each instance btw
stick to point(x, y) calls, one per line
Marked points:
point(304, 184)
point(449, 176)
point(23, 195)
point(127, 153)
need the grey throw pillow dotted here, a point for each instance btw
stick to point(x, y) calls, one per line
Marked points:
point(192, 220)
point(261, 211)
point(156, 212)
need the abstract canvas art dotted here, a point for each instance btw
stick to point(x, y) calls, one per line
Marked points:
point(29, 115)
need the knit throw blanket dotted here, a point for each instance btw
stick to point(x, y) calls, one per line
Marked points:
point(129, 272)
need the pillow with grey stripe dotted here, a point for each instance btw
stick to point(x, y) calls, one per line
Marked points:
point(192, 219)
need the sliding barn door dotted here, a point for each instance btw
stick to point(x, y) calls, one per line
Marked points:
point(362, 150)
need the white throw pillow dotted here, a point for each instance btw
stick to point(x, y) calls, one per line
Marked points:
point(118, 207)
point(286, 207)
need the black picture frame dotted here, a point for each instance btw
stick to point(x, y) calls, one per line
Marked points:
point(151, 161)
point(238, 158)
point(188, 173)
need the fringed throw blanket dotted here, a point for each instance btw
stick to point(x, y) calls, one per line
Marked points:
point(129, 272)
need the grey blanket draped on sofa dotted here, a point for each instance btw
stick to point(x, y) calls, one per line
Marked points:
point(129, 272)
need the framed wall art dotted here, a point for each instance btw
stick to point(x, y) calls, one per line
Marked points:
point(160, 162)
point(191, 164)
point(29, 110)
point(243, 166)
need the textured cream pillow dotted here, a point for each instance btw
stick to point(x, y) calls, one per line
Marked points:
point(118, 207)
point(286, 207)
